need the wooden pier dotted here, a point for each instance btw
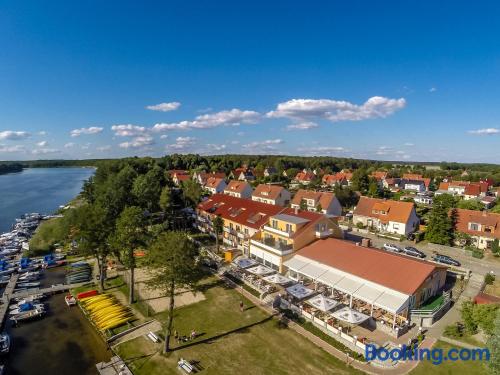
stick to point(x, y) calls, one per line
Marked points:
point(54, 289)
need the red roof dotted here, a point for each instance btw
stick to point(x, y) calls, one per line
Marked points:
point(384, 209)
point(379, 175)
point(418, 177)
point(268, 191)
point(213, 182)
point(177, 172)
point(237, 186)
point(393, 271)
point(323, 198)
point(239, 210)
point(473, 189)
point(488, 219)
point(484, 299)
point(305, 176)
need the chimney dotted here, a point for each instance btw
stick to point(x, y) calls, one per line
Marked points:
point(296, 210)
point(358, 243)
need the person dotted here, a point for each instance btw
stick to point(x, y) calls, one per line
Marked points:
point(241, 306)
point(193, 334)
point(176, 336)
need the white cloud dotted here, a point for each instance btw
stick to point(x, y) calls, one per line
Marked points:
point(322, 150)
point(214, 147)
point(9, 149)
point(232, 117)
point(86, 146)
point(182, 144)
point(164, 107)
point(128, 130)
point(485, 131)
point(433, 89)
point(104, 148)
point(69, 145)
point(42, 143)
point(43, 151)
point(302, 126)
point(268, 145)
point(337, 110)
point(138, 142)
point(87, 131)
point(164, 136)
point(409, 144)
point(235, 142)
point(10, 135)
point(205, 110)
point(42, 133)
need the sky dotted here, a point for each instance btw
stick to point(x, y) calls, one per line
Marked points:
point(392, 80)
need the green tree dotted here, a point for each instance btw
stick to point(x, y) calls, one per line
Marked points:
point(440, 225)
point(172, 263)
point(129, 235)
point(319, 208)
point(484, 316)
point(493, 345)
point(373, 190)
point(217, 225)
point(192, 193)
point(467, 313)
point(470, 204)
point(166, 199)
point(360, 180)
point(147, 188)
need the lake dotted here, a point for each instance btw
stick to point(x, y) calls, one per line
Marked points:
point(38, 190)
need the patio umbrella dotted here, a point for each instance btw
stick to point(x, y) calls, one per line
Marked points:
point(260, 270)
point(322, 303)
point(350, 316)
point(277, 279)
point(245, 262)
point(299, 291)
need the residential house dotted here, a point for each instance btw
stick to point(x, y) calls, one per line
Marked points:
point(380, 176)
point(178, 177)
point(392, 184)
point(202, 177)
point(324, 202)
point(215, 185)
point(304, 178)
point(418, 177)
point(413, 185)
point(340, 179)
point(246, 175)
point(238, 189)
point(423, 199)
point(466, 189)
point(387, 215)
point(270, 171)
point(242, 218)
point(383, 282)
point(488, 201)
point(482, 226)
point(288, 232)
point(271, 194)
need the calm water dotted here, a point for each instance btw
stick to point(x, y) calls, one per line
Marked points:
point(38, 190)
point(63, 342)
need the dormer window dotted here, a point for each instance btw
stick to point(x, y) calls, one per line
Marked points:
point(474, 226)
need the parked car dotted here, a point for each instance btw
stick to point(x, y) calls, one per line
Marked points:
point(446, 260)
point(409, 250)
point(392, 247)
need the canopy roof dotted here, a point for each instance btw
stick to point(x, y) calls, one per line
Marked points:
point(277, 279)
point(350, 316)
point(391, 302)
point(260, 270)
point(322, 303)
point(299, 291)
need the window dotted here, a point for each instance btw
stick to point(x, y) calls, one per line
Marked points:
point(274, 224)
point(395, 226)
point(289, 228)
point(473, 226)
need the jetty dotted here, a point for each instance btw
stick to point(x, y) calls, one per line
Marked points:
point(54, 289)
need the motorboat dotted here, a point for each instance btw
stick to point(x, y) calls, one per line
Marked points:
point(34, 284)
point(33, 298)
point(4, 343)
point(26, 307)
point(70, 300)
point(28, 315)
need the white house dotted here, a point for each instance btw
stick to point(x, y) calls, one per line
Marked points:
point(238, 189)
point(324, 202)
point(271, 194)
point(215, 185)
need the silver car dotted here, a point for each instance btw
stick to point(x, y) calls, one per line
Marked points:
point(391, 247)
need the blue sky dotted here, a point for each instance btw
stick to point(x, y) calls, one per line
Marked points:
point(391, 81)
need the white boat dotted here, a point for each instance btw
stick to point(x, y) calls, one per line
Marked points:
point(27, 307)
point(32, 298)
point(4, 343)
point(29, 285)
point(70, 300)
point(27, 315)
point(22, 302)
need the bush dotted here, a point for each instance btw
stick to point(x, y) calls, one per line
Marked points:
point(360, 225)
point(479, 254)
point(453, 331)
point(489, 279)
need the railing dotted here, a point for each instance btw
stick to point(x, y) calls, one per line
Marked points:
point(278, 231)
point(274, 248)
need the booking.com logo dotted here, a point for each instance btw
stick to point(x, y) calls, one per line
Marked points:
point(436, 355)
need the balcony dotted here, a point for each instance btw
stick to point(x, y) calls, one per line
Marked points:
point(277, 231)
point(324, 233)
point(275, 247)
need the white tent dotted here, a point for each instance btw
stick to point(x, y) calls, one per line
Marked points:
point(277, 279)
point(367, 293)
point(350, 316)
point(260, 270)
point(295, 264)
point(391, 302)
point(348, 285)
point(299, 291)
point(245, 262)
point(322, 303)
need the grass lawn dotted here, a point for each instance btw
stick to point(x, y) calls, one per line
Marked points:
point(451, 368)
point(231, 342)
point(432, 303)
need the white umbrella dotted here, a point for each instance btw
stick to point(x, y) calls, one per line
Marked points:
point(260, 270)
point(322, 303)
point(299, 291)
point(277, 279)
point(350, 316)
point(245, 262)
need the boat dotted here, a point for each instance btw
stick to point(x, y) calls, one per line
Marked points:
point(26, 307)
point(70, 300)
point(4, 343)
point(29, 285)
point(27, 315)
point(32, 298)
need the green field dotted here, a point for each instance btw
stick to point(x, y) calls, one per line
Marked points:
point(450, 368)
point(231, 342)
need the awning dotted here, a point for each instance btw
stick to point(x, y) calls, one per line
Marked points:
point(350, 316)
point(347, 285)
point(299, 291)
point(245, 262)
point(367, 293)
point(322, 303)
point(330, 278)
point(260, 270)
point(277, 279)
point(391, 302)
point(312, 271)
point(295, 264)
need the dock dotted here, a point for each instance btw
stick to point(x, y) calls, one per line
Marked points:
point(6, 296)
point(54, 289)
point(115, 366)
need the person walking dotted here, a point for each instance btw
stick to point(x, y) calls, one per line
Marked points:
point(241, 306)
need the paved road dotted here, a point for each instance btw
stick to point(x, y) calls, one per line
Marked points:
point(479, 266)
